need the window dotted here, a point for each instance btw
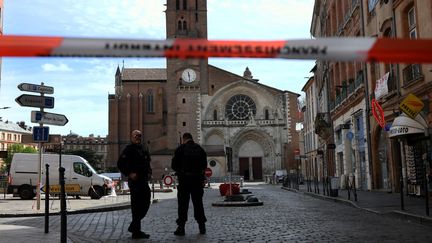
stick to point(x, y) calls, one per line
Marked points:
point(240, 107)
point(266, 114)
point(184, 124)
point(184, 25)
point(82, 169)
point(412, 24)
point(215, 115)
point(184, 4)
point(184, 100)
point(212, 163)
point(179, 25)
point(150, 101)
point(177, 4)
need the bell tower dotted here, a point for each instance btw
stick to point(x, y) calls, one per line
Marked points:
point(187, 79)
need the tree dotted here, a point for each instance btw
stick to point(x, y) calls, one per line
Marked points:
point(15, 148)
point(94, 159)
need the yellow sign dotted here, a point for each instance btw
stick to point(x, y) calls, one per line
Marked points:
point(411, 105)
point(68, 188)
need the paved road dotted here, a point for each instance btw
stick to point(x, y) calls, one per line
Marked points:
point(286, 216)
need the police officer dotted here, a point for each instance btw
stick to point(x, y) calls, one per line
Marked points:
point(189, 162)
point(134, 162)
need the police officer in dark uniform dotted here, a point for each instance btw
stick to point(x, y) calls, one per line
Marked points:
point(134, 162)
point(189, 162)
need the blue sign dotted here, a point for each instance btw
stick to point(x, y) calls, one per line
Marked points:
point(40, 134)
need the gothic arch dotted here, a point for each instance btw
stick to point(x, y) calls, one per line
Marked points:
point(214, 133)
point(259, 94)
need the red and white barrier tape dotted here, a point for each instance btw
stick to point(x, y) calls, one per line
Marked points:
point(332, 49)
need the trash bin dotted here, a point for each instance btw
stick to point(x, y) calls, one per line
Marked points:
point(334, 186)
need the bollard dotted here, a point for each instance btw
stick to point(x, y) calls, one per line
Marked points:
point(47, 187)
point(63, 217)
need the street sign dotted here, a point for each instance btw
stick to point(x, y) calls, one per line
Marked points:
point(48, 118)
point(208, 172)
point(35, 101)
point(411, 105)
point(40, 134)
point(168, 180)
point(68, 188)
point(36, 88)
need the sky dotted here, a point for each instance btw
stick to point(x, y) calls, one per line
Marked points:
point(81, 85)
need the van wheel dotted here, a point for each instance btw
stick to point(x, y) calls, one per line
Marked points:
point(26, 192)
point(96, 192)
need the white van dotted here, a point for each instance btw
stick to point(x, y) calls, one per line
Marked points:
point(80, 178)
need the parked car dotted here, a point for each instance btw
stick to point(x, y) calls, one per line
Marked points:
point(279, 175)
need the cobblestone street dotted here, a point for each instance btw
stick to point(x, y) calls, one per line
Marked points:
point(285, 216)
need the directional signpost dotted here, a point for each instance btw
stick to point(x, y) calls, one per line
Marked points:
point(36, 88)
point(48, 118)
point(35, 101)
point(40, 133)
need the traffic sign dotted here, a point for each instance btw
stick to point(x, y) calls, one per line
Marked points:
point(168, 180)
point(48, 118)
point(40, 134)
point(208, 172)
point(411, 105)
point(36, 88)
point(35, 101)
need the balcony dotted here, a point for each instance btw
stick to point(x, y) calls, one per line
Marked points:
point(411, 73)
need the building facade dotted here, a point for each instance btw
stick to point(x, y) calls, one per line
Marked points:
point(98, 144)
point(341, 88)
point(11, 133)
point(379, 149)
point(246, 127)
point(401, 147)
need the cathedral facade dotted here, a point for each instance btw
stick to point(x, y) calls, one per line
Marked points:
point(246, 127)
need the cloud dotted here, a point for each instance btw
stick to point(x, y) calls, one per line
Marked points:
point(48, 67)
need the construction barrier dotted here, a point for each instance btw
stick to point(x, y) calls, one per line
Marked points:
point(363, 49)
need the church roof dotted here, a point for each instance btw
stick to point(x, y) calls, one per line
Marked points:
point(144, 74)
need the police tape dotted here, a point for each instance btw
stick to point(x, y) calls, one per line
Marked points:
point(364, 49)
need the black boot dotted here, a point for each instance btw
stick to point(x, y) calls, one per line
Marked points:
point(140, 235)
point(180, 231)
point(202, 228)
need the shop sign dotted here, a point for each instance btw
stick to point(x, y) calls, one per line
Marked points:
point(397, 131)
point(411, 105)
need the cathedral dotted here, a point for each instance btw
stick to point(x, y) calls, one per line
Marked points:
point(247, 128)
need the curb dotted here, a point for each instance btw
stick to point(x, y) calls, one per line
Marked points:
point(121, 206)
point(395, 213)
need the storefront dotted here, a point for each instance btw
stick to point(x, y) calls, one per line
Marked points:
point(415, 142)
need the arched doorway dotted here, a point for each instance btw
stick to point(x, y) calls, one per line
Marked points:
point(250, 160)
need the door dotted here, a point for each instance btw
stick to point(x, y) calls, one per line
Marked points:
point(82, 175)
point(244, 167)
point(257, 168)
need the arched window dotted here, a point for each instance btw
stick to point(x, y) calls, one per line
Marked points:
point(150, 101)
point(184, 25)
point(266, 114)
point(179, 25)
point(215, 115)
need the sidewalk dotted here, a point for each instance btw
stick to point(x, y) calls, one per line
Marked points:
point(384, 203)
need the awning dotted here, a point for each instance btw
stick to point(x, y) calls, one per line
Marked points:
point(404, 125)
